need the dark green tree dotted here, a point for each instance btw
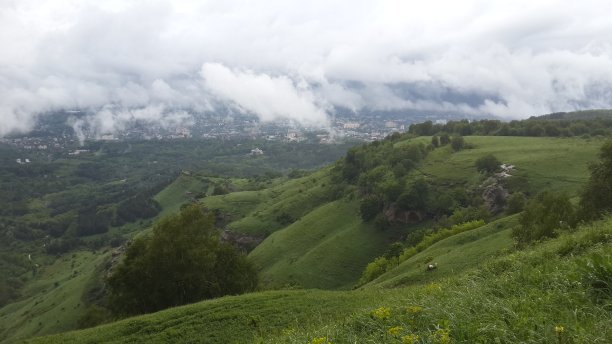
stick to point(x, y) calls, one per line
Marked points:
point(182, 261)
point(435, 141)
point(457, 142)
point(444, 139)
point(370, 207)
point(516, 203)
point(597, 195)
point(416, 197)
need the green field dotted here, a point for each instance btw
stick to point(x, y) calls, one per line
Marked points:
point(547, 163)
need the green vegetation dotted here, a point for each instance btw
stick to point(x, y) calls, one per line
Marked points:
point(487, 164)
point(49, 209)
point(54, 299)
point(326, 249)
point(582, 123)
point(543, 217)
point(531, 296)
point(400, 254)
point(597, 195)
point(181, 262)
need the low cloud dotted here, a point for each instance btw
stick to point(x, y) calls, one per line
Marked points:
point(269, 97)
point(300, 60)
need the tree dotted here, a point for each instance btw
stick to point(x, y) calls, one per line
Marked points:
point(435, 141)
point(444, 139)
point(543, 217)
point(487, 164)
point(370, 207)
point(597, 195)
point(457, 143)
point(416, 197)
point(183, 261)
point(516, 203)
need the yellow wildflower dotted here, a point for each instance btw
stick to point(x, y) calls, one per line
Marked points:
point(381, 313)
point(410, 339)
point(559, 329)
point(320, 340)
point(432, 288)
point(414, 309)
point(288, 331)
point(394, 331)
point(441, 336)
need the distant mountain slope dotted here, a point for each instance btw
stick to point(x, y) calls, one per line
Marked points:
point(586, 115)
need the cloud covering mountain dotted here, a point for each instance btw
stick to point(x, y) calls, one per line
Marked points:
point(125, 60)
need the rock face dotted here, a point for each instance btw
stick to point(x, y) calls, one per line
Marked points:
point(494, 194)
point(402, 216)
point(240, 240)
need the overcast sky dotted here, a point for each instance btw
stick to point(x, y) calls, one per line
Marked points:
point(302, 60)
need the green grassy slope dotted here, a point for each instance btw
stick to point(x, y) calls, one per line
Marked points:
point(327, 248)
point(232, 319)
point(57, 304)
point(517, 297)
point(257, 212)
point(557, 163)
point(453, 255)
point(176, 194)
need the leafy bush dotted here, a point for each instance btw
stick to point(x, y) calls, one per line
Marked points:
point(597, 195)
point(543, 216)
point(457, 143)
point(515, 203)
point(487, 164)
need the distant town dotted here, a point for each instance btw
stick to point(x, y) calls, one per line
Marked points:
point(54, 134)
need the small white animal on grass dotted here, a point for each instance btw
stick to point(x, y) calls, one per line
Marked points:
point(432, 266)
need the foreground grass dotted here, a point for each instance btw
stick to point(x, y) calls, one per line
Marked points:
point(539, 295)
point(544, 294)
point(233, 319)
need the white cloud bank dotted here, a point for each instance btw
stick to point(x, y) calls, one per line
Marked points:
point(297, 60)
point(269, 97)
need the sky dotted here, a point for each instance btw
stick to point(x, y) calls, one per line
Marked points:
point(163, 61)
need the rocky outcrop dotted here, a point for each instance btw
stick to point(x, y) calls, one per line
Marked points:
point(494, 194)
point(403, 216)
point(240, 240)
